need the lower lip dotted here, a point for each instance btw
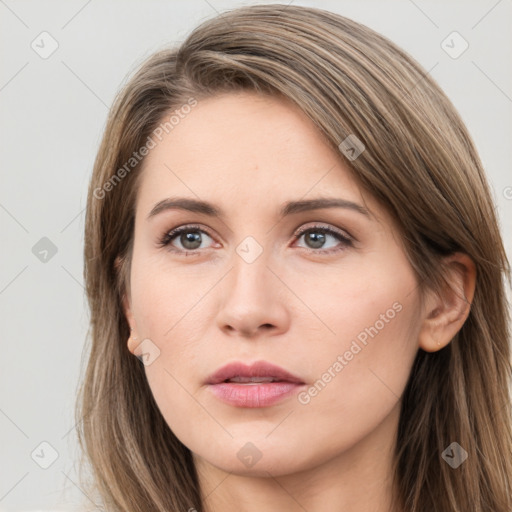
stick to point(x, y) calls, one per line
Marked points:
point(253, 395)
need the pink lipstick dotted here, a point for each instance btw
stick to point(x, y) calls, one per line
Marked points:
point(260, 384)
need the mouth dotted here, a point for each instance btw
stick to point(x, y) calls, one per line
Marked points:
point(252, 380)
point(261, 384)
point(256, 373)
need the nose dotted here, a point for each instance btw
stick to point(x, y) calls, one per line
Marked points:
point(253, 301)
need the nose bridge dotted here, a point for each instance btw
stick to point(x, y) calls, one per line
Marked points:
point(251, 295)
point(249, 280)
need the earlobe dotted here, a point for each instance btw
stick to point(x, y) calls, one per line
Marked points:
point(125, 302)
point(132, 340)
point(445, 313)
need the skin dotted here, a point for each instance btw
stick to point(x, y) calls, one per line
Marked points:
point(294, 306)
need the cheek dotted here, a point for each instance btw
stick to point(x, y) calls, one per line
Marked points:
point(363, 361)
point(162, 294)
point(364, 371)
point(169, 307)
point(359, 299)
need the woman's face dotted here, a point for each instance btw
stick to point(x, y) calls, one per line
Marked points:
point(338, 309)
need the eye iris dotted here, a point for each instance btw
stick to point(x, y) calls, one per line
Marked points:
point(316, 237)
point(192, 237)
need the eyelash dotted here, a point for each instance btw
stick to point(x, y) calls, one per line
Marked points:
point(171, 235)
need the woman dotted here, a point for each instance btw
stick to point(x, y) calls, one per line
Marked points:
point(289, 226)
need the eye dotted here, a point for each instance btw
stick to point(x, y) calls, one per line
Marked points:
point(316, 238)
point(190, 237)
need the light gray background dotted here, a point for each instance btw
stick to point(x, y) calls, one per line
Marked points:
point(53, 112)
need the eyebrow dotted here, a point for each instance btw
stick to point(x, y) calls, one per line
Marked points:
point(289, 208)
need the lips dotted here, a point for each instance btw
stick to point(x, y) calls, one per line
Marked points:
point(260, 371)
point(261, 384)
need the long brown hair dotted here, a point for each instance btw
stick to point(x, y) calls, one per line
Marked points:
point(422, 166)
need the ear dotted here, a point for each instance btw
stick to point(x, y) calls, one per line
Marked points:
point(127, 308)
point(446, 313)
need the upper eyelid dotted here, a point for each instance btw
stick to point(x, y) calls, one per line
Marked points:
point(327, 227)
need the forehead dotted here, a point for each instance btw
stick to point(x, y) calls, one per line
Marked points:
point(245, 148)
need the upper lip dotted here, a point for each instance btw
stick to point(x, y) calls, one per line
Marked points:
point(257, 369)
